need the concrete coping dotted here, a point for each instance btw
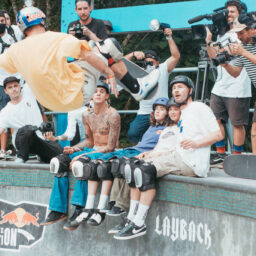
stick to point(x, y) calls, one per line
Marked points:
point(216, 178)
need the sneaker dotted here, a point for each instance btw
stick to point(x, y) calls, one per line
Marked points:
point(109, 206)
point(2, 154)
point(19, 160)
point(76, 220)
point(119, 227)
point(147, 84)
point(131, 231)
point(96, 219)
point(70, 224)
point(217, 158)
point(116, 211)
point(53, 217)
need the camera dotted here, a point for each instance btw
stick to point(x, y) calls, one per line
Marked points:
point(46, 127)
point(225, 55)
point(78, 28)
point(219, 27)
point(156, 25)
point(143, 64)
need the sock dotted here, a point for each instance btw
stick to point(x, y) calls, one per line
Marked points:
point(220, 146)
point(78, 208)
point(141, 215)
point(238, 149)
point(131, 83)
point(134, 204)
point(103, 201)
point(90, 202)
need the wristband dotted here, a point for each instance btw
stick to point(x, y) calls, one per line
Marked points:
point(168, 38)
point(209, 43)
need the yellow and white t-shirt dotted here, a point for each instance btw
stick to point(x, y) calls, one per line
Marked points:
point(41, 61)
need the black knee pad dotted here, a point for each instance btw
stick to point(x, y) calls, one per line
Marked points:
point(104, 171)
point(128, 170)
point(117, 167)
point(145, 176)
point(59, 165)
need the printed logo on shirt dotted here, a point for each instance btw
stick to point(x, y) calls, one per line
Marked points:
point(158, 131)
point(168, 134)
point(180, 126)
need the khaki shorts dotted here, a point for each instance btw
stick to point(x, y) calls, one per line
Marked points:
point(171, 163)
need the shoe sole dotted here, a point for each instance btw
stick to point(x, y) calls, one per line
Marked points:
point(54, 221)
point(70, 228)
point(115, 214)
point(113, 232)
point(130, 237)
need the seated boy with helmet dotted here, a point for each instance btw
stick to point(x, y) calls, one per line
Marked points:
point(61, 86)
point(106, 170)
point(197, 130)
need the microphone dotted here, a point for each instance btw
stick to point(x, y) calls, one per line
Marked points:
point(156, 25)
point(198, 18)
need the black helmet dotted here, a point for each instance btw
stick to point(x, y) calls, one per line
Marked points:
point(108, 24)
point(160, 101)
point(182, 79)
point(102, 84)
point(172, 102)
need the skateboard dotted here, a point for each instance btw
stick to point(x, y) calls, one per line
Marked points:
point(241, 166)
point(138, 72)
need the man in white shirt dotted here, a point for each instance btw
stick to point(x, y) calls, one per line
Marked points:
point(197, 131)
point(23, 114)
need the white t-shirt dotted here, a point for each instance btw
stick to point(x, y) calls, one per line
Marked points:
point(8, 40)
point(162, 90)
point(75, 117)
point(19, 35)
point(168, 139)
point(197, 121)
point(227, 85)
point(26, 112)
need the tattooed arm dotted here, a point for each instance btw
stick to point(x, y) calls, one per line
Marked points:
point(114, 132)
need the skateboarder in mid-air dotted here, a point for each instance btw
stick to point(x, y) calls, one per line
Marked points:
point(61, 86)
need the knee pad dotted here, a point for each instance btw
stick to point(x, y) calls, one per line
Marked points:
point(110, 49)
point(145, 176)
point(104, 171)
point(77, 166)
point(128, 171)
point(59, 165)
point(117, 167)
point(88, 171)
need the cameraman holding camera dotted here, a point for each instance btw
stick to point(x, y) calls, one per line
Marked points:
point(230, 97)
point(23, 114)
point(87, 28)
point(246, 53)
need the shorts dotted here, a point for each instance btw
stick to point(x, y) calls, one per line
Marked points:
point(171, 163)
point(237, 109)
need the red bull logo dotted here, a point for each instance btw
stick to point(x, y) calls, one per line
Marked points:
point(19, 224)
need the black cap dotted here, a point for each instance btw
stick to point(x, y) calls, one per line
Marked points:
point(151, 54)
point(103, 85)
point(10, 79)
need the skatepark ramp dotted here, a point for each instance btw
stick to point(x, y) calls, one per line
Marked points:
point(190, 216)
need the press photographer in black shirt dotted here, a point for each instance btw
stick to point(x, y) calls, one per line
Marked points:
point(87, 28)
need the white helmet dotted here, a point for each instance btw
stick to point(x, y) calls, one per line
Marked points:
point(30, 16)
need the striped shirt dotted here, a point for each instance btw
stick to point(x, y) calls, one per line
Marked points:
point(250, 67)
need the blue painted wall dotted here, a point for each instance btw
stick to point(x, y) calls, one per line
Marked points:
point(137, 18)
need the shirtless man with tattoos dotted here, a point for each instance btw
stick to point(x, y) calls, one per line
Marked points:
point(102, 129)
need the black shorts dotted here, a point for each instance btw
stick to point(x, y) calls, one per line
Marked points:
point(237, 109)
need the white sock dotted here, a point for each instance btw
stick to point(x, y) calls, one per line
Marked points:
point(141, 215)
point(134, 204)
point(90, 202)
point(103, 201)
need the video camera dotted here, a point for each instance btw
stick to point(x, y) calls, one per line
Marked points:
point(78, 28)
point(46, 127)
point(143, 64)
point(219, 27)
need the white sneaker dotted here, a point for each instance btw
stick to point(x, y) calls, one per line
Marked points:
point(2, 154)
point(19, 161)
point(147, 84)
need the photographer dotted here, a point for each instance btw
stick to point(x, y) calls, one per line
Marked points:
point(246, 58)
point(87, 28)
point(141, 123)
point(230, 97)
point(23, 114)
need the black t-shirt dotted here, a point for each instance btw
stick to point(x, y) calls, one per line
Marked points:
point(96, 26)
